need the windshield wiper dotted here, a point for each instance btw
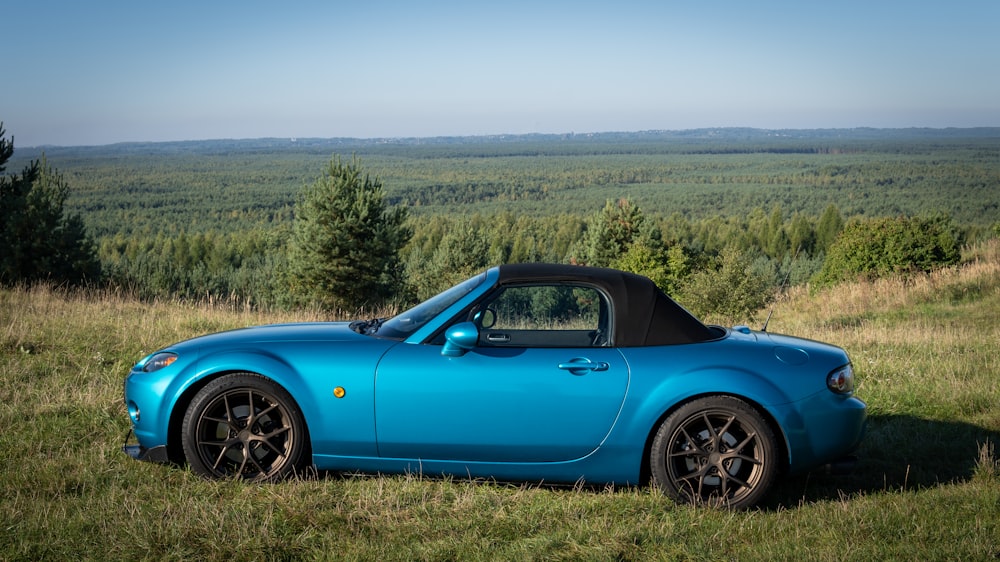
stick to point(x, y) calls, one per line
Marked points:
point(374, 325)
point(367, 327)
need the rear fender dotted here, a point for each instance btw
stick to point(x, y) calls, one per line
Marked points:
point(669, 393)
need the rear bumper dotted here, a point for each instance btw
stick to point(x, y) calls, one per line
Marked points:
point(824, 431)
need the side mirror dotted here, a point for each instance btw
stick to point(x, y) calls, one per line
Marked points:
point(459, 339)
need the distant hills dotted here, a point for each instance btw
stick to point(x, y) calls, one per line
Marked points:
point(705, 136)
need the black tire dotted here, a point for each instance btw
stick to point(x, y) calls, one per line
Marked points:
point(717, 451)
point(245, 426)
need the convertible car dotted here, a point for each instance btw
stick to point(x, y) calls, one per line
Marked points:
point(527, 372)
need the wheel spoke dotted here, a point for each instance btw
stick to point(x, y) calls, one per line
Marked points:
point(712, 435)
point(749, 439)
point(728, 477)
point(746, 458)
point(725, 428)
point(221, 421)
point(693, 482)
point(266, 440)
point(230, 414)
point(248, 421)
point(695, 450)
point(699, 472)
point(221, 457)
point(266, 411)
point(240, 470)
point(261, 471)
point(213, 443)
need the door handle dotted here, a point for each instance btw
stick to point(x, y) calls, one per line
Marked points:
point(498, 338)
point(582, 365)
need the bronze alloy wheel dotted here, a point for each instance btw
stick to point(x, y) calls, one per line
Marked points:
point(243, 426)
point(717, 451)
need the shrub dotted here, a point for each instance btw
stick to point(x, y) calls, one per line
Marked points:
point(731, 290)
point(874, 248)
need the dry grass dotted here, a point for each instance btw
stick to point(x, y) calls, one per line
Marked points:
point(854, 302)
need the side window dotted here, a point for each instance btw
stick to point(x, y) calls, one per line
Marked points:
point(545, 316)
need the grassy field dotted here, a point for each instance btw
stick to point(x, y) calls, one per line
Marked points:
point(928, 487)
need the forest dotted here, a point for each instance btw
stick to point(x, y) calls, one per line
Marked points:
point(213, 218)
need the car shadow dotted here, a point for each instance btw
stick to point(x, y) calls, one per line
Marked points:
point(899, 452)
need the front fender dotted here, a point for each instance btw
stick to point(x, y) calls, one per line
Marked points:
point(334, 388)
point(206, 368)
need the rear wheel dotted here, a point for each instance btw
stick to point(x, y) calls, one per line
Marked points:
point(717, 451)
point(244, 426)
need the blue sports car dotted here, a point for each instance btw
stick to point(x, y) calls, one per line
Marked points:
point(527, 372)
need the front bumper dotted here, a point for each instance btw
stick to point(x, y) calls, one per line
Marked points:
point(146, 439)
point(156, 454)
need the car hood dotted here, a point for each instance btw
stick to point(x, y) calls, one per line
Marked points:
point(296, 332)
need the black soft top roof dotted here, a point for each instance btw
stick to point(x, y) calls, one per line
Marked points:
point(643, 314)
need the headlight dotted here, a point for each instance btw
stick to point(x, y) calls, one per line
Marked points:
point(841, 381)
point(158, 361)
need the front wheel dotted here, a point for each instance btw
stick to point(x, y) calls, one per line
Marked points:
point(717, 451)
point(245, 426)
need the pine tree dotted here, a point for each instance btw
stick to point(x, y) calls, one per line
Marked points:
point(38, 240)
point(801, 235)
point(610, 232)
point(346, 242)
point(829, 227)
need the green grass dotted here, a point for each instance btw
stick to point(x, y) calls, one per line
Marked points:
point(927, 487)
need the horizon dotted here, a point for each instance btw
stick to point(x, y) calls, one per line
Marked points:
point(117, 72)
point(992, 131)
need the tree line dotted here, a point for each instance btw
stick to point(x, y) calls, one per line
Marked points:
point(728, 267)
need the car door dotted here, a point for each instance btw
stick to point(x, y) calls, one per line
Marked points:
point(540, 386)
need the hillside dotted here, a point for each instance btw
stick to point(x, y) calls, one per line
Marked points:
point(928, 485)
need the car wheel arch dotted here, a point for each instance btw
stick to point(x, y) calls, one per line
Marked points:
point(175, 451)
point(772, 422)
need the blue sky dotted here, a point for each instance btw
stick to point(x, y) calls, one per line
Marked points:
point(107, 71)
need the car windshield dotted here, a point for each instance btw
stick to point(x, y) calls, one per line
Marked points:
point(404, 324)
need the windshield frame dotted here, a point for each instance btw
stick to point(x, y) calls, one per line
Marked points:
point(405, 324)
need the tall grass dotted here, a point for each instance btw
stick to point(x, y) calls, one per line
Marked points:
point(927, 487)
